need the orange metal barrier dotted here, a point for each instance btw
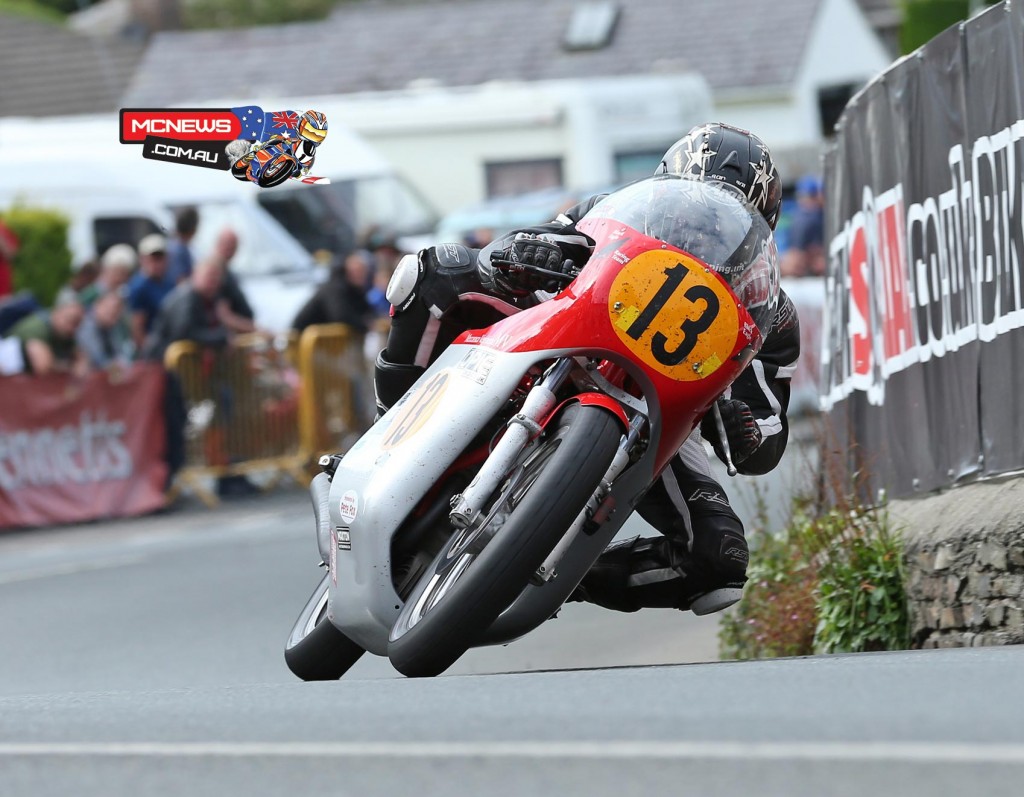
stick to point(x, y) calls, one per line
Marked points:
point(256, 407)
point(337, 396)
point(242, 405)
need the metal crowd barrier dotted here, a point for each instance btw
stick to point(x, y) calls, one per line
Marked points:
point(257, 407)
point(337, 396)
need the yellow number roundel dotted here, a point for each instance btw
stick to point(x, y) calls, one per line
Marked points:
point(417, 410)
point(674, 315)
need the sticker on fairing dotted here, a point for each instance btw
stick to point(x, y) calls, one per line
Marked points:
point(334, 558)
point(674, 314)
point(348, 507)
point(476, 364)
point(417, 410)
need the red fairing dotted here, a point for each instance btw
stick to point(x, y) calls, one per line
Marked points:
point(651, 308)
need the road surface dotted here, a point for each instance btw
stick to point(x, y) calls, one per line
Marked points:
point(144, 657)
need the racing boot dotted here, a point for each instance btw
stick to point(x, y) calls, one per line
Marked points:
point(657, 572)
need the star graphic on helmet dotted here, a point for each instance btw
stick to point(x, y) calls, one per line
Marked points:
point(699, 157)
point(762, 178)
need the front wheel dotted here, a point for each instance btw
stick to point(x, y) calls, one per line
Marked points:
point(316, 650)
point(483, 568)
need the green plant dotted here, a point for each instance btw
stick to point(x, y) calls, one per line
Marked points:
point(832, 582)
point(862, 602)
point(43, 262)
point(923, 20)
point(777, 615)
point(29, 9)
point(248, 13)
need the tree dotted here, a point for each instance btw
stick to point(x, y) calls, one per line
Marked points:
point(923, 20)
point(247, 13)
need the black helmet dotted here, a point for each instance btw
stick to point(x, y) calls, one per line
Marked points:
point(731, 156)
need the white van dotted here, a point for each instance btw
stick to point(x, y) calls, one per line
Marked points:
point(78, 165)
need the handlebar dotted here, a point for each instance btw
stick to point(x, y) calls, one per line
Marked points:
point(568, 273)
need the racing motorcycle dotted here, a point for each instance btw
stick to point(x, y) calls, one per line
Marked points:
point(471, 510)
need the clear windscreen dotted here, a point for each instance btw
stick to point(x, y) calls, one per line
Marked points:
point(711, 222)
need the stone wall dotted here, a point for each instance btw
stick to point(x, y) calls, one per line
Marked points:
point(964, 554)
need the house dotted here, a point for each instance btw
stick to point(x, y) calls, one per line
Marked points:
point(50, 70)
point(471, 98)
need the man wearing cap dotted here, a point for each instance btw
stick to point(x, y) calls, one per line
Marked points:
point(148, 289)
point(116, 267)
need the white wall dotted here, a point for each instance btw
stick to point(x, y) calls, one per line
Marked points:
point(843, 49)
point(440, 139)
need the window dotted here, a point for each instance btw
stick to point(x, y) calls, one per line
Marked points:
point(591, 25)
point(110, 230)
point(831, 102)
point(520, 177)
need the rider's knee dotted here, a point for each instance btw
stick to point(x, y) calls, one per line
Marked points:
point(392, 380)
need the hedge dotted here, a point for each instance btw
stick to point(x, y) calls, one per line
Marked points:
point(43, 262)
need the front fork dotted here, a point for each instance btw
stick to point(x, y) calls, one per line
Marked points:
point(523, 427)
point(592, 510)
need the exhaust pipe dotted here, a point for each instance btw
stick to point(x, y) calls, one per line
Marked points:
point(320, 493)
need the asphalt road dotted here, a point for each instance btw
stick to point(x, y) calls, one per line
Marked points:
point(144, 657)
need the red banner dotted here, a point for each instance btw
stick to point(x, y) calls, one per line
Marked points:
point(74, 449)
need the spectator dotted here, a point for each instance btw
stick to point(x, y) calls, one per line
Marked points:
point(9, 245)
point(342, 299)
point(149, 288)
point(385, 250)
point(105, 334)
point(84, 276)
point(240, 317)
point(116, 267)
point(179, 256)
point(193, 311)
point(49, 337)
point(805, 256)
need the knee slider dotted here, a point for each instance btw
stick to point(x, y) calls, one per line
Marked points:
point(391, 381)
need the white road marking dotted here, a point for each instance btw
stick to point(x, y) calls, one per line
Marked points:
point(914, 752)
point(68, 569)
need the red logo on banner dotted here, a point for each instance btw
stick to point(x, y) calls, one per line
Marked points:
point(180, 124)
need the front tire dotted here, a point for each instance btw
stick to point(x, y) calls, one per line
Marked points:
point(316, 650)
point(473, 579)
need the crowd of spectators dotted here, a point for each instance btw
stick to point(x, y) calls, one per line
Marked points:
point(132, 306)
point(134, 302)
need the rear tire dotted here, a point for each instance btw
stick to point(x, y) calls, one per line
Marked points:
point(316, 650)
point(465, 589)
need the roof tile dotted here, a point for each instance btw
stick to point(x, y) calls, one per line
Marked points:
point(375, 46)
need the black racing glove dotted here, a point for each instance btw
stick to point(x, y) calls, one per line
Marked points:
point(741, 429)
point(527, 250)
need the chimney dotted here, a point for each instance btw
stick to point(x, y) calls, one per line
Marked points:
point(156, 15)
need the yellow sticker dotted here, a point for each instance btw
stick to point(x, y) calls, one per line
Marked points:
point(417, 410)
point(673, 314)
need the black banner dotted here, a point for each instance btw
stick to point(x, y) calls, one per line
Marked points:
point(925, 285)
point(208, 154)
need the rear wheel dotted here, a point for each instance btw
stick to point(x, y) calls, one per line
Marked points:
point(316, 650)
point(483, 568)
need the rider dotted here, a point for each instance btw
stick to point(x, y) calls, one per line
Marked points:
point(699, 561)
